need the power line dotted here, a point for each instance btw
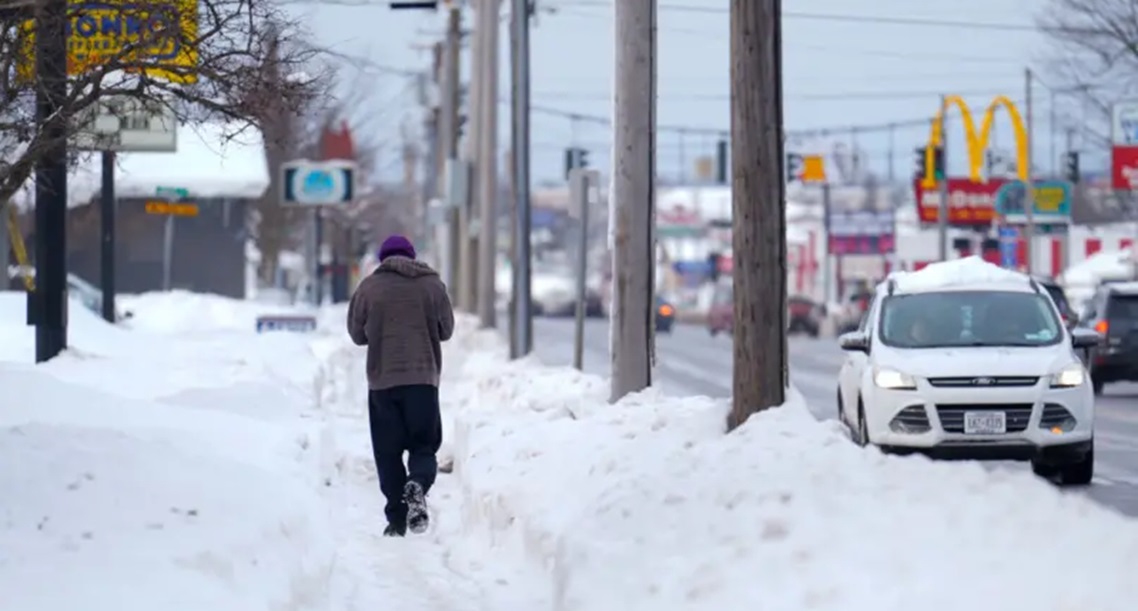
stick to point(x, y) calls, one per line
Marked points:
point(835, 96)
point(836, 17)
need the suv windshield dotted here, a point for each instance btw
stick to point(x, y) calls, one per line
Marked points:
point(969, 318)
point(1122, 307)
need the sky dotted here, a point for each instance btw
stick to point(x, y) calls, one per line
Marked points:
point(851, 73)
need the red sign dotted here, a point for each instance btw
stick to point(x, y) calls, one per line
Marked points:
point(969, 203)
point(1124, 167)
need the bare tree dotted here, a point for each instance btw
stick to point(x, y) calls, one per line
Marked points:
point(202, 60)
point(1095, 55)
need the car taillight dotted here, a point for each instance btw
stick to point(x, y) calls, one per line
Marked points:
point(666, 310)
point(1102, 327)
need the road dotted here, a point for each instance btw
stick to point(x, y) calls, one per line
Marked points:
point(691, 362)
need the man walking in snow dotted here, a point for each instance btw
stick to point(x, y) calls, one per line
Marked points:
point(402, 314)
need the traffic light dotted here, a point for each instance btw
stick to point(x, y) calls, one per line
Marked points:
point(1071, 166)
point(938, 162)
point(721, 152)
point(575, 157)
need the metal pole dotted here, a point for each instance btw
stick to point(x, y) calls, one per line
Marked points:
point(1076, 199)
point(168, 253)
point(828, 259)
point(107, 222)
point(522, 305)
point(633, 196)
point(488, 181)
point(1028, 185)
point(467, 255)
point(50, 296)
point(942, 185)
point(579, 198)
point(449, 136)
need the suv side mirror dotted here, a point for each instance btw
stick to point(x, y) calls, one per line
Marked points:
point(1085, 338)
point(854, 342)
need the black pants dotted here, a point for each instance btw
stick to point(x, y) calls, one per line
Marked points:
point(404, 419)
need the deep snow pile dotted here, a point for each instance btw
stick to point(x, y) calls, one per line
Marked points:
point(956, 272)
point(186, 462)
point(648, 505)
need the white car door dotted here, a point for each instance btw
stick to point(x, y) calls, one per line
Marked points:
point(853, 369)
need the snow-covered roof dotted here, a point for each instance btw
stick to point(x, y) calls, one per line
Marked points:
point(1108, 265)
point(958, 273)
point(209, 162)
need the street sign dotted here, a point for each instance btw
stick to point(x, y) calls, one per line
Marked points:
point(162, 207)
point(318, 183)
point(136, 35)
point(126, 124)
point(172, 194)
point(1009, 247)
point(805, 168)
point(295, 324)
point(1124, 146)
point(969, 203)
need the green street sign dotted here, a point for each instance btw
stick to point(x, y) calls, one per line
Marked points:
point(172, 193)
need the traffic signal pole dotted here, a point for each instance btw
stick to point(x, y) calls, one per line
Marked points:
point(942, 184)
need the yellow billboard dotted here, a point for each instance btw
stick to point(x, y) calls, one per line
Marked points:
point(155, 37)
point(977, 141)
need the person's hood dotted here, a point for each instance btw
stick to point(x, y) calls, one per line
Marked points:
point(408, 268)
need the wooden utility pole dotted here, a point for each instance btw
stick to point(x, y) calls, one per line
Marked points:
point(488, 167)
point(633, 196)
point(758, 192)
point(449, 136)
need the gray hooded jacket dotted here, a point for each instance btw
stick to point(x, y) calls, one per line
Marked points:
point(402, 314)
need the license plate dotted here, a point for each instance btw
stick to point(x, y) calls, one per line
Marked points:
point(985, 423)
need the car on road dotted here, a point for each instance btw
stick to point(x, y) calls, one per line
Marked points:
point(976, 369)
point(853, 309)
point(1066, 312)
point(665, 315)
point(804, 315)
point(721, 314)
point(1113, 313)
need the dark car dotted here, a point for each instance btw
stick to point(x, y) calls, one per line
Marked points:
point(665, 316)
point(1070, 318)
point(1113, 313)
point(804, 315)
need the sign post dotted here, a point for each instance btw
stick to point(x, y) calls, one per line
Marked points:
point(318, 184)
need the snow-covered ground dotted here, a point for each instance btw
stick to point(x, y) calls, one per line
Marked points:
point(188, 463)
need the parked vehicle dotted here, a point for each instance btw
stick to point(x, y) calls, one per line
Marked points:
point(1066, 312)
point(1113, 313)
point(804, 315)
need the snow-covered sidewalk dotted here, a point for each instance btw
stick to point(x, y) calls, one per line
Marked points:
point(646, 504)
point(188, 463)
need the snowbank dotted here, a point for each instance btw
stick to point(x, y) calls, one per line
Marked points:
point(183, 312)
point(956, 272)
point(646, 504)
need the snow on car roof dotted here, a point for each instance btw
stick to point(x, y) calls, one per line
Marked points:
point(969, 273)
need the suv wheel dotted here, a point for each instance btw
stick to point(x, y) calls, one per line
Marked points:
point(862, 428)
point(1079, 473)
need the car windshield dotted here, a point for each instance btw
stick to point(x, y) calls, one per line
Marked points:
point(969, 318)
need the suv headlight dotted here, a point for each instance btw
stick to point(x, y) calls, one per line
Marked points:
point(1071, 376)
point(893, 379)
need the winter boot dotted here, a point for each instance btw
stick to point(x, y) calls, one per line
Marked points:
point(417, 518)
point(394, 531)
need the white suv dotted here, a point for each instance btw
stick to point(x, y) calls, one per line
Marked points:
point(964, 360)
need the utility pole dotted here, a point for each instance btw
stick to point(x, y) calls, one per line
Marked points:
point(942, 182)
point(50, 295)
point(488, 167)
point(633, 196)
point(468, 251)
point(1028, 181)
point(448, 133)
point(434, 157)
point(758, 193)
point(521, 331)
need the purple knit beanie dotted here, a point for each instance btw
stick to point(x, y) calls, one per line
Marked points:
point(396, 245)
